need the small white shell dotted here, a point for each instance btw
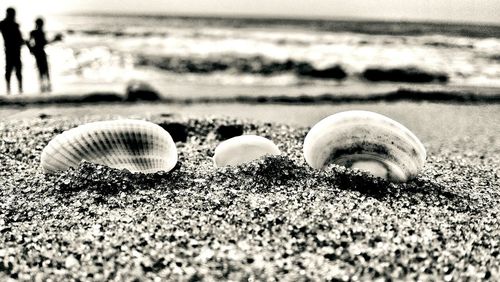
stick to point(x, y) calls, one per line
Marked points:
point(136, 145)
point(367, 141)
point(242, 149)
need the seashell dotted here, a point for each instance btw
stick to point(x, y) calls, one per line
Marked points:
point(242, 149)
point(367, 141)
point(136, 145)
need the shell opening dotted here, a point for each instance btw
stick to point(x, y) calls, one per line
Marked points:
point(374, 167)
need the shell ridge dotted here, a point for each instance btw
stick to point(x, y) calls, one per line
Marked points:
point(354, 135)
point(59, 152)
point(138, 146)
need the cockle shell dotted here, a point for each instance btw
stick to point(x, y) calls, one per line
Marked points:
point(242, 149)
point(366, 141)
point(136, 145)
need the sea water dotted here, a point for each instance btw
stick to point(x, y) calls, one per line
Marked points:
point(259, 53)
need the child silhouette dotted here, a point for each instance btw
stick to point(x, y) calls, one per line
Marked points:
point(36, 44)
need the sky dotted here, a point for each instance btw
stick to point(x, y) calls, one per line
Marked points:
point(419, 10)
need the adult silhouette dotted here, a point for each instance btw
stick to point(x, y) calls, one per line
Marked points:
point(13, 41)
point(36, 44)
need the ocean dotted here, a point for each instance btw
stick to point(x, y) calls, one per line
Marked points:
point(211, 54)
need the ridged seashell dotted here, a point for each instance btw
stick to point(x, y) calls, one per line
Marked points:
point(366, 141)
point(242, 149)
point(136, 145)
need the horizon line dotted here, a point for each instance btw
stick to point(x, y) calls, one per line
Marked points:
point(274, 17)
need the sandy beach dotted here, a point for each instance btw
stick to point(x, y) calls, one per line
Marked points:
point(211, 76)
point(274, 218)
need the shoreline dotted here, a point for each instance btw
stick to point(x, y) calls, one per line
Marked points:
point(203, 80)
point(145, 92)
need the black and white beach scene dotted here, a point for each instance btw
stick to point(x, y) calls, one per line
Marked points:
point(223, 140)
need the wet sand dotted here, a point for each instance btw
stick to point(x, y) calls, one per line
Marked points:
point(181, 93)
point(273, 218)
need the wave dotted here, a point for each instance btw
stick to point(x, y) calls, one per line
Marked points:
point(266, 67)
point(252, 65)
point(289, 38)
point(280, 52)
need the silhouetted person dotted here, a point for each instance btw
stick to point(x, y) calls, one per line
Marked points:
point(13, 41)
point(37, 43)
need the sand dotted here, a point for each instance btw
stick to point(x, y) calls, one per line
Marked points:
point(270, 219)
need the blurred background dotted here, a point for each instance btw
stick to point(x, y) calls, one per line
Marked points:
point(225, 48)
